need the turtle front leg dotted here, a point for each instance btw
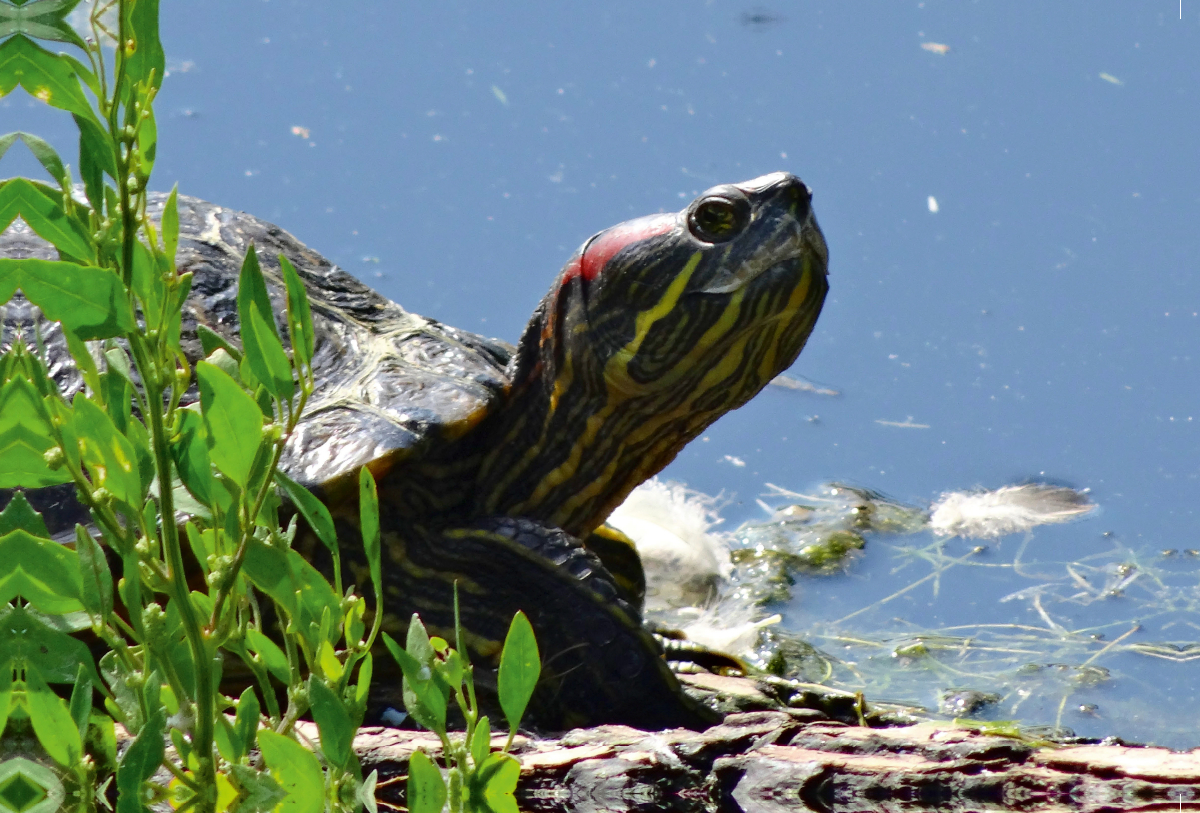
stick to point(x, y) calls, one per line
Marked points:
point(598, 664)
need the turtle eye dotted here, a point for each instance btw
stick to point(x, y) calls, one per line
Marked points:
point(718, 219)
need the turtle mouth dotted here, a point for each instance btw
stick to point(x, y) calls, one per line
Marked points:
point(775, 263)
point(780, 261)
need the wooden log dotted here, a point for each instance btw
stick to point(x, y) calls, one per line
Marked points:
point(794, 760)
point(771, 759)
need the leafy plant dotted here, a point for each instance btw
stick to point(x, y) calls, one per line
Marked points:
point(478, 778)
point(134, 451)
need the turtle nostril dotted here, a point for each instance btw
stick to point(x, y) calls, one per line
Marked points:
point(799, 193)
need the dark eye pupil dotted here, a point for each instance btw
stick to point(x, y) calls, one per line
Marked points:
point(716, 218)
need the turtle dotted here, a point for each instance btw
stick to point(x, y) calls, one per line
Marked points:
point(498, 464)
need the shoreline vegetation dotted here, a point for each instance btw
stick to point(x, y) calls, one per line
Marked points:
point(147, 724)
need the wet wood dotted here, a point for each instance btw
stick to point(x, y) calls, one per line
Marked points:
point(798, 759)
point(774, 760)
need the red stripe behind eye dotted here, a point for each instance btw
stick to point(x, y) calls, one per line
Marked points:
point(600, 250)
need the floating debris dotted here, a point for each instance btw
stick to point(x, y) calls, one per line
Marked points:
point(801, 385)
point(761, 18)
point(685, 560)
point(905, 424)
point(1007, 510)
point(941, 49)
point(1112, 80)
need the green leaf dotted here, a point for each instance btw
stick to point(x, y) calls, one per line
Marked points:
point(365, 671)
point(426, 695)
point(190, 452)
point(252, 290)
point(116, 393)
point(294, 584)
point(25, 436)
point(84, 362)
point(43, 20)
point(312, 509)
point(96, 591)
point(300, 324)
point(481, 741)
point(174, 327)
point(246, 722)
point(125, 704)
point(366, 792)
point(148, 285)
point(109, 457)
point(41, 206)
point(42, 571)
point(52, 721)
point(354, 621)
point(272, 655)
point(260, 341)
point(89, 301)
point(140, 762)
point(259, 790)
point(520, 667)
point(232, 421)
point(296, 770)
point(81, 700)
point(45, 76)
point(170, 226)
point(143, 450)
point(211, 341)
point(20, 514)
point(494, 782)
point(266, 356)
point(368, 508)
point(57, 655)
point(147, 62)
point(95, 159)
point(44, 153)
point(327, 659)
point(426, 787)
point(147, 138)
point(228, 745)
point(6, 688)
point(337, 732)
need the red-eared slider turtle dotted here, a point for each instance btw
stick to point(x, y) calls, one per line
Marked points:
point(494, 461)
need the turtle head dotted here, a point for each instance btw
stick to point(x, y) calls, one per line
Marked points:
point(654, 329)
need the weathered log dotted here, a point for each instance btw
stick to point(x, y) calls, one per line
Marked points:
point(797, 759)
point(773, 759)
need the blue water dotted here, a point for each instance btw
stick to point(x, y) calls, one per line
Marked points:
point(1042, 323)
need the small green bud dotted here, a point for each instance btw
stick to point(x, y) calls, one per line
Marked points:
point(102, 497)
point(272, 432)
point(154, 620)
point(54, 458)
point(298, 695)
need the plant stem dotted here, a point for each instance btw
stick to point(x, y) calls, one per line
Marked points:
point(204, 698)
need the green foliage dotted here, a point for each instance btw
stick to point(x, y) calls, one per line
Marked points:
point(137, 453)
point(477, 779)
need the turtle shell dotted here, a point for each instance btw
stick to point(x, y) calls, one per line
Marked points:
point(389, 383)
